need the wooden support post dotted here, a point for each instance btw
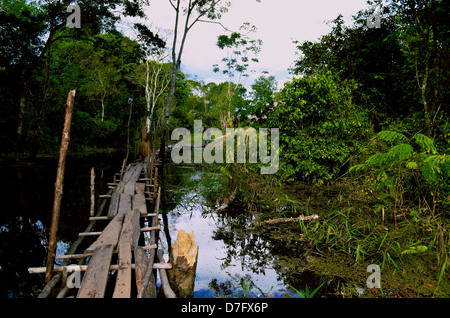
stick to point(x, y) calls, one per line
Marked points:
point(168, 292)
point(149, 155)
point(59, 187)
point(123, 168)
point(92, 212)
point(155, 188)
point(150, 173)
point(148, 278)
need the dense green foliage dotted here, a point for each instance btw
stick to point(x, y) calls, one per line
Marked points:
point(367, 113)
point(42, 60)
point(357, 81)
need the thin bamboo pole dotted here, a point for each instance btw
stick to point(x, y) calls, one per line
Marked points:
point(59, 187)
point(155, 187)
point(168, 292)
point(92, 212)
point(148, 273)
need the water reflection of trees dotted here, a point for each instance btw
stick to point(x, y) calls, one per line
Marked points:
point(238, 286)
point(252, 251)
point(26, 212)
point(20, 246)
point(194, 189)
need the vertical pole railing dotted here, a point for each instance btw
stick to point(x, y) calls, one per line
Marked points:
point(59, 187)
point(92, 211)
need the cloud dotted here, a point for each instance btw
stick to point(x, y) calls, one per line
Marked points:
point(279, 23)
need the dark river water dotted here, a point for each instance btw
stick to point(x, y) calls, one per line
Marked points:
point(231, 262)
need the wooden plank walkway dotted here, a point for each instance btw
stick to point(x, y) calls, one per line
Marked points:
point(122, 233)
point(113, 248)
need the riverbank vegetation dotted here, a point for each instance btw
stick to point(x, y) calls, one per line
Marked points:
point(364, 144)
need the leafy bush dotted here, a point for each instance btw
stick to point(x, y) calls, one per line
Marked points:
point(319, 126)
point(410, 167)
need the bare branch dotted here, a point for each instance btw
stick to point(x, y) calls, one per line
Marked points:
point(176, 9)
point(215, 22)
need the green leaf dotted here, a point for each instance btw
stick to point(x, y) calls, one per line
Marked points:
point(426, 143)
point(411, 165)
point(356, 168)
point(421, 248)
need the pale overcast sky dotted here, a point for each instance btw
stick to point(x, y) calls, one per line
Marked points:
point(279, 22)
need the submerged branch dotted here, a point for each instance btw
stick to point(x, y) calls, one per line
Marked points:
point(227, 201)
point(287, 220)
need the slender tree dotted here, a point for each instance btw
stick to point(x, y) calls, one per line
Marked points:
point(241, 50)
point(193, 11)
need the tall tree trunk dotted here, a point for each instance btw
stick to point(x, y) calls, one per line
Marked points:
point(423, 90)
point(22, 107)
point(37, 133)
point(128, 131)
point(167, 113)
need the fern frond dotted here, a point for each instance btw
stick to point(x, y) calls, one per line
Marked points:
point(376, 159)
point(401, 152)
point(356, 168)
point(426, 143)
point(438, 159)
point(391, 136)
point(430, 173)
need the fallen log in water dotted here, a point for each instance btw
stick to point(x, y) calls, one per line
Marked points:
point(287, 220)
point(227, 201)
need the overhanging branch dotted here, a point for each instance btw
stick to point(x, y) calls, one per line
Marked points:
point(215, 22)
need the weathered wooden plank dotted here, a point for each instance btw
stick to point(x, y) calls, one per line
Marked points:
point(83, 268)
point(137, 172)
point(101, 218)
point(128, 173)
point(119, 188)
point(114, 205)
point(108, 218)
point(96, 276)
point(123, 281)
point(129, 188)
point(124, 204)
point(140, 203)
point(130, 229)
point(141, 264)
point(130, 184)
point(140, 188)
point(140, 260)
point(110, 234)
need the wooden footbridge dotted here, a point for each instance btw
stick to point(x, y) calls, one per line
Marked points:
point(127, 243)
